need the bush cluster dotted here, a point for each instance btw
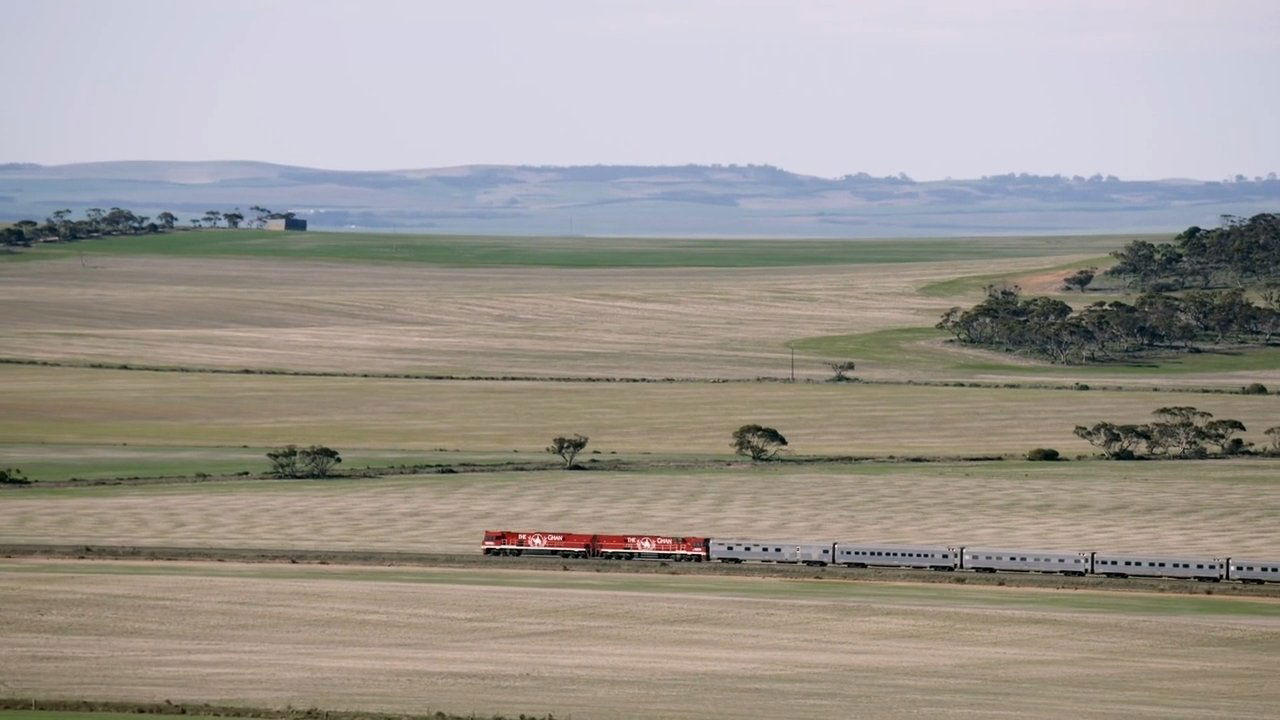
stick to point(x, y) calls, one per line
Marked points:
point(1178, 432)
point(1050, 329)
point(13, 476)
point(1238, 253)
point(291, 461)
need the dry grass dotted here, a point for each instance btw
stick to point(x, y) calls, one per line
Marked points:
point(404, 317)
point(1195, 507)
point(624, 647)
point(66, 405)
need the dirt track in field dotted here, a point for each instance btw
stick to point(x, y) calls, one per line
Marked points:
point(1216, 508)
point(620, 648)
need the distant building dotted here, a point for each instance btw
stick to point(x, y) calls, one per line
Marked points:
point(286, 224)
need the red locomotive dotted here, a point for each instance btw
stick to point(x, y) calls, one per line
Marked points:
point(505, 542)
point(609, 547)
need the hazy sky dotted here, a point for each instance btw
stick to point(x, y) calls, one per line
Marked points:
point(1141, 89)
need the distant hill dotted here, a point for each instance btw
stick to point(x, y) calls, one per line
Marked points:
point(754, 200)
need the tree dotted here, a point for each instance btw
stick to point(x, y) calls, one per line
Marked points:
point(1115, 441)
point(212, 218)
point(1080, 279)
point(167, 220)
point(261, 215)
point(1180, 428)
point(1221, 433)
point(13, 236)
point(1273, 433)
point(758, 442)
point(233, 218)
point(94, 217)
point(317, 461)
point(28, 228)
point(567, 448)
point(840, 368)
point(285, 462)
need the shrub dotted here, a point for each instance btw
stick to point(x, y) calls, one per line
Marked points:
point(841, 370)
point(757, 442)
point(13, 476)
point(292, 461)
point(567, 448)
point(1043, 455)
point(1254, 389)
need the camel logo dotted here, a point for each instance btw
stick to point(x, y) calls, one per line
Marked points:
point(645, 543)
point(537, 540)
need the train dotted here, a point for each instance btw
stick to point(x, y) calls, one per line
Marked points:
point(947, 558)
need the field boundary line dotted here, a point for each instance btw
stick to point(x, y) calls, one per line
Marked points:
point(232, 711)
point(605, 379)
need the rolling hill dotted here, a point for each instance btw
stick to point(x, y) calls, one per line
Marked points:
point(604, 200)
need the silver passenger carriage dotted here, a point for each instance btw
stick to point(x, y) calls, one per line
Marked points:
point(1043, 561)
point(935, 557)
point(1254, 571)
point(1196, 568)
point(781, 551)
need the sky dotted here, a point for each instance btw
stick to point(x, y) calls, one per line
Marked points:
point(1141, 89)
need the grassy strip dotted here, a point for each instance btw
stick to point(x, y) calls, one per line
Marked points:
point(969, 284)
point(573, 252)
point(591, 464)
point(911, 348)
point(888, 346)
point(47, 709)
point(377, 375)
point(555, 569)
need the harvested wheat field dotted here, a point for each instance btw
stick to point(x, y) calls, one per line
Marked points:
point(409, 317)
point(1210, 507)
point(586, 645)
point(85, 406)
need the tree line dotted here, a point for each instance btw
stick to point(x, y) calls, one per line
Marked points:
point(96, 222)
point(1240, 253)
point(1051, 329)
point(1182, 432)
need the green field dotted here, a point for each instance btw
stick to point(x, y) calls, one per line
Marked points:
point(573, 252)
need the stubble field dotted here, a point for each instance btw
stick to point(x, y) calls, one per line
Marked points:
point(605, 646)
point(563, 642)
point(1213, 508)
point(71, 406)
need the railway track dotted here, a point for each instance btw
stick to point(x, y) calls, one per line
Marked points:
point(475, 561)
